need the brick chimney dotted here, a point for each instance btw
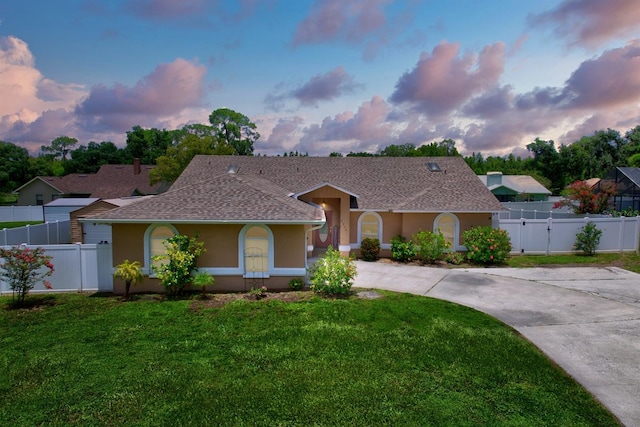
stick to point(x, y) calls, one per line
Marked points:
point(136, 166)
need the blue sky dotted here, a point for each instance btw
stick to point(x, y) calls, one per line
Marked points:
point(322, 75)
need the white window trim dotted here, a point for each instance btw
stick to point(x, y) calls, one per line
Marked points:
point(146, 269)
point(362, 215)
point(456, 229)
point(270, 263)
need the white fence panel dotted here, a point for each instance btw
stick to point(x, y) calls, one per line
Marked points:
point(21, 213)
point(545, 236)
point(77, 267)
point(49, 233)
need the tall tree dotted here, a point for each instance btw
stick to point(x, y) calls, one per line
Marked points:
point(147, 144)
point(14, 166)
point(170, 165)
point(235, 129)
point(546, 160)
point(60, 147)
point(89, 159)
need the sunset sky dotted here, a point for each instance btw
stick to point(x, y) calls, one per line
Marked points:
point(319, 76)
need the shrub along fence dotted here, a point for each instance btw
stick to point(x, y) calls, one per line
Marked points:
point(551, 235)
point(49, 233)
point(78, 267)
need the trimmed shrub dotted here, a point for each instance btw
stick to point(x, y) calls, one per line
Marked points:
point(588, 239)
point(178, 264)
point(333, 274)
point(402, 250)
point(487, 245)
point(454, 258)
point(296, 284)
point(369, 249)
point(430, 246)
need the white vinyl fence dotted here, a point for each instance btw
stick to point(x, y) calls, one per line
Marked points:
point(21, 213)
point(77, 267)
point(551, 235)
point(49, 233)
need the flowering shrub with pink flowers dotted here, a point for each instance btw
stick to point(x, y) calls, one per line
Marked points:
point(23, 268)
point(487, 245)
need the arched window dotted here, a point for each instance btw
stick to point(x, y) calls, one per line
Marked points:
point(256, 250)
point(449, 226)
point(154, 238)
point(369, 225)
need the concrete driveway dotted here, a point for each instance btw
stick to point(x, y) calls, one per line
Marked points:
point(585, 319)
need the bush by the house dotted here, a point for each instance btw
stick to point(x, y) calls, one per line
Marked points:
point(176, 267)
point(430, 246)
point(333, 274)
point(296, 284)
point(588, 239)
point(369, 249)
point(487, 245)
point(402, 250)
point(23, 268)
point(454, 258)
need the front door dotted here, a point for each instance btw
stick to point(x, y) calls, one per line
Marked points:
point(323, 235)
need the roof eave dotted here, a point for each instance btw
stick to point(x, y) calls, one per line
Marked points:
point(199, 221)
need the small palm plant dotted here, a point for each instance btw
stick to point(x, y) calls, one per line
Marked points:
point(203, 279)
point(130, 272)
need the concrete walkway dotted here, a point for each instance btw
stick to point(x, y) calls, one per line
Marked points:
point(585, 319)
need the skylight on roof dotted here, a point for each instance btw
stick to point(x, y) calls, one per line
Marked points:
point(434, 167)
point(232, 169)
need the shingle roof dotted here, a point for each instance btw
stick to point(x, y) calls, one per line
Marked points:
point(220, 198)
point(111, 181)
point(260, 189)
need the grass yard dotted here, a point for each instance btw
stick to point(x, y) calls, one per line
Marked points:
point(627, 260)
point(16, 224)
point(397, 360)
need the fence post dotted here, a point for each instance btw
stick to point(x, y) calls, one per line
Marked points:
point(549, 226)
point(28, 234)
point(4, 232)
point(80, 267)
point(621, 234)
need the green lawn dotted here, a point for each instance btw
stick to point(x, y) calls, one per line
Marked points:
point(400, 360)
point(627, 260)
point(15, 224)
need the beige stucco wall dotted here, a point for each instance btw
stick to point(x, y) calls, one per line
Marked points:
point(221, 244)
point(407, 224)
point(337, 202)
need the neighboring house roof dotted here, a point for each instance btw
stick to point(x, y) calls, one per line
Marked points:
point(72, 202)
point(632, 173)
point(521, 184)
point(111, 181)
point(261, 187)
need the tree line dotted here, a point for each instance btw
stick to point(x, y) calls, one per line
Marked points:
point(232, 133)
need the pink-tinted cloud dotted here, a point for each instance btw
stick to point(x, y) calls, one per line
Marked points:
point(340, 19)
point(325, 87)
point(490, 104)
point(592, 22)
point(164, 10)
point(322, 87)
point(284, 135)
point(168, 90)
point(610, 80)
point(444, 81)
point(362, 130)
